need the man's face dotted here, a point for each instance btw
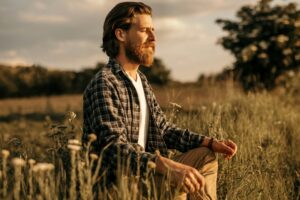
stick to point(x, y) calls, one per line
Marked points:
point(140, 40)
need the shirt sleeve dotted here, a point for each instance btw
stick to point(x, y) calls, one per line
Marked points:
point(105, 114)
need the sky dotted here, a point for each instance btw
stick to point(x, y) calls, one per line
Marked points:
point(67, 34)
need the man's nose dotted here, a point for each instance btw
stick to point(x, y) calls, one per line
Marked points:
point(152, 36)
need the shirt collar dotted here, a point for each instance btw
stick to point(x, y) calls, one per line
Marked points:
point(117, 68)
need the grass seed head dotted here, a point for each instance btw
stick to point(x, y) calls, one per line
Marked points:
point(175, 105)
point(5, 153)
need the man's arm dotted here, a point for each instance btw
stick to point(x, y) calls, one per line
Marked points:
point(175, 137)
point(103, 111)
point(184, 140)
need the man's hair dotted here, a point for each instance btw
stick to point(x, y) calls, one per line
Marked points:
point(120, 17)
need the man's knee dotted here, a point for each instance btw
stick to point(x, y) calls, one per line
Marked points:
point(207, 159)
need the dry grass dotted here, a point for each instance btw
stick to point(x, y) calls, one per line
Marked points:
point(265, 127)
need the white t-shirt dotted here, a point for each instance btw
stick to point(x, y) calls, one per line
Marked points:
point(144, 110)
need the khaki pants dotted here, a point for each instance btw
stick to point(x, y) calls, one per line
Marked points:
point(205, 161)
point(200, 158)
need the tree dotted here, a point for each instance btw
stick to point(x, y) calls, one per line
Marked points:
point(265, 40)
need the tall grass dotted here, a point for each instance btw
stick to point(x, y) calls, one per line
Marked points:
point(265, 127)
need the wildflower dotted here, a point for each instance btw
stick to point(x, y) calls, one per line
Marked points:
point(263, 44)
point(287, 51)
point(74, 147)
point(50, 167)
point(263, 55)
point(214, 104)
point(253, 48)
point(71, 116)
point(31, 162)
point(297, 23)
point(92, 137)
point(74, 141)
point(43, 167)
point(74, 144)
point(18, 162)
point(5, 153)
point(93, 156)
point(282, 39)
point(291, 73)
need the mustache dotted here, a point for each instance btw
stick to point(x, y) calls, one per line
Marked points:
point(149, 44)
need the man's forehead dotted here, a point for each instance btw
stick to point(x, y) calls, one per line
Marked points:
point(142, 20)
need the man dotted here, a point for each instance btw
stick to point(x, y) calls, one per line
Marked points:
point(120, 107)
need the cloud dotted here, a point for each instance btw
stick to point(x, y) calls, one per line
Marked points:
point(45, 19)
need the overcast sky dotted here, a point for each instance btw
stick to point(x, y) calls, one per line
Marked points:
point(66, 34)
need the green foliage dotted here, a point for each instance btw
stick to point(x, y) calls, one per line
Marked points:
point(265, 41)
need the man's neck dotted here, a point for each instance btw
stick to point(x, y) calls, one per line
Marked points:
point(129, 67)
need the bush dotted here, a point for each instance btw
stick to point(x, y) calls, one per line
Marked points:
point(265, 41)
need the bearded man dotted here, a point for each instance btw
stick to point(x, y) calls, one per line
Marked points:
point(121, 109)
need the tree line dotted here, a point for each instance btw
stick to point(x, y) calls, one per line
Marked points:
point(37, 80)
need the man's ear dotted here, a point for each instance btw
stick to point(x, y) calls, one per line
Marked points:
point(120, 34)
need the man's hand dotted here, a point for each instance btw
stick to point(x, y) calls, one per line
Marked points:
point(183, 176)
point(226, 147)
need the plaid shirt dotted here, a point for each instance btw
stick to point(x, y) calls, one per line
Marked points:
point(111, 111)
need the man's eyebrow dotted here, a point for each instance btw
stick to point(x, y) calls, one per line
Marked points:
point(148, 27)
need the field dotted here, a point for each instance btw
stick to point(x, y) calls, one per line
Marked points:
point(265, 126)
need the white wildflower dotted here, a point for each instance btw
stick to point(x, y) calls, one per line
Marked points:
point(74, 147)
point(18, 162)
point(74, 141)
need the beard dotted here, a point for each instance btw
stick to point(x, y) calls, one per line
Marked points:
point(142, 54)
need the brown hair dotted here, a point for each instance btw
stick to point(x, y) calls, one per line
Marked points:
point(120, 17)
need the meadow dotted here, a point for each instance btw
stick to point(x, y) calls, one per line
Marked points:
point(265, 127)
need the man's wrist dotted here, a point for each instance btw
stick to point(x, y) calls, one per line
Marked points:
point(208, 142)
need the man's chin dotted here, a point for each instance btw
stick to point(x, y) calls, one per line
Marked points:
point(148, 62)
